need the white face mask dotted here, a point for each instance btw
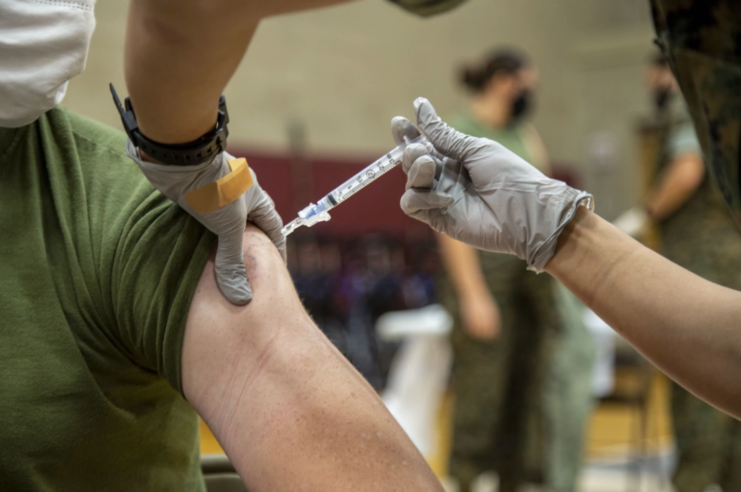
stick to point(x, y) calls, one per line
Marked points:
point(43, 44)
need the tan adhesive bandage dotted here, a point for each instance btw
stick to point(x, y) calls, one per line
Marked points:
point(222, 192)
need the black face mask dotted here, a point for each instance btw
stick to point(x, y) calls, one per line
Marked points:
point(662, 97)
point(523, 104)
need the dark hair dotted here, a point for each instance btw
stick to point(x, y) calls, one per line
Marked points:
point(506, 60)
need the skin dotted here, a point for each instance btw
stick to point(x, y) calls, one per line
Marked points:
point(685, 325)
point(289, 410)
point(479, 310)
point(179, 56)
point(682, 178)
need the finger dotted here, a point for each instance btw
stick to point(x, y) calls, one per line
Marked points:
point(402, 127)
point(266, 218)
point(414, 200)
point(411, 154)
point(445, 139)
point(422, 173)
point(231, 275)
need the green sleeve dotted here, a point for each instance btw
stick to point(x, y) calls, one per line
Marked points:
point(683, 139)
point(150, 253)
point(161, 255)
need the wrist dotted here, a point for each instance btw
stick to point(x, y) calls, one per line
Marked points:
point(191, 153)
point(571, 237)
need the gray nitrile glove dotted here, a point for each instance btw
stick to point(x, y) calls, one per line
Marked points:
point(228, 222)
point(478, 192)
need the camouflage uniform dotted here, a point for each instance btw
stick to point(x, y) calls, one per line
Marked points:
point(522, 400)
point(702, 41)
point(700, 237)
point(498, 421)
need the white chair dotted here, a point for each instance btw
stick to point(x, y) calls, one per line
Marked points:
point(419, 371)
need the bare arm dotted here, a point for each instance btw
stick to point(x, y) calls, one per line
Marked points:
point(290, 411)
point(687, 326)
point(680, 181)
point(478, 307)
point(537, 149)
point(180, 54)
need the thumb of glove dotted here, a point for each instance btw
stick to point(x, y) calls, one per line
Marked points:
point(231, 275)
point(445, 139)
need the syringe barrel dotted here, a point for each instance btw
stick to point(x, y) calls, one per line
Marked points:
point(370, 173)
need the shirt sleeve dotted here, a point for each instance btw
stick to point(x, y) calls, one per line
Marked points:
point(683, 139)
point(137, 256)
point(160, 257)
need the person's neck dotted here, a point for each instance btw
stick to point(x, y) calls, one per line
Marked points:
point(491, 110)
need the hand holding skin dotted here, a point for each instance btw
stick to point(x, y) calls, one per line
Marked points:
point(227, 222)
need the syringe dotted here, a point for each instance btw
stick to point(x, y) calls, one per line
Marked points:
point(318, 212)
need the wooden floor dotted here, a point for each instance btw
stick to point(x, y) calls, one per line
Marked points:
point(610, 432)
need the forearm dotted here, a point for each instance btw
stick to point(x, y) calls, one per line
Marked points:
point(290, 411)
point(180, 55)
point(684, 175)
point(687, 326)
point(463, 267)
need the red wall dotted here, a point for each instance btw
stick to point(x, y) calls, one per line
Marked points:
point(373, 210)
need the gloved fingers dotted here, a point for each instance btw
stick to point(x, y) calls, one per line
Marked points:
point(267, 219)
point(402, 127)
point(422, 173)
point(411, 154)
point(415, 200)
point(447, 140)
point(231, 275)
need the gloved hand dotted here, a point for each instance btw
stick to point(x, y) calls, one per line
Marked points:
point(228, 222)
point(478, 192)
point(633, 222)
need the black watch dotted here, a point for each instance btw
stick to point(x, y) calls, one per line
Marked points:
point(186, 154)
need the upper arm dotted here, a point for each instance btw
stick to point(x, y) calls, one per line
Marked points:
point(536, 147)
point(288, 409)
point(462, 264)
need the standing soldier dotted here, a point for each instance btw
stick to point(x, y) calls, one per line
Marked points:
point(698, 234)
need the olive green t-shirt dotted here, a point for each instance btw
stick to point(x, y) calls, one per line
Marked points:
point(97, 271)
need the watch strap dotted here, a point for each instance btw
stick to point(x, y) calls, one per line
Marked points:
point(192, 153)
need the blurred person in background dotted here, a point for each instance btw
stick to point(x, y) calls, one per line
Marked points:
point(509, 322)
point(698, 234)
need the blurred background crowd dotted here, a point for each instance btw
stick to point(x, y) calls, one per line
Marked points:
point(502, 378)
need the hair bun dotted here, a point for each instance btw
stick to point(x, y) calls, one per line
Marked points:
point(473, 78)
point(506, 60)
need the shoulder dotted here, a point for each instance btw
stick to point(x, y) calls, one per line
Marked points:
point(96, 134)
point(679, 113)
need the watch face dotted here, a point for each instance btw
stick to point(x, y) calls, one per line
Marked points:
point(426, 8)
